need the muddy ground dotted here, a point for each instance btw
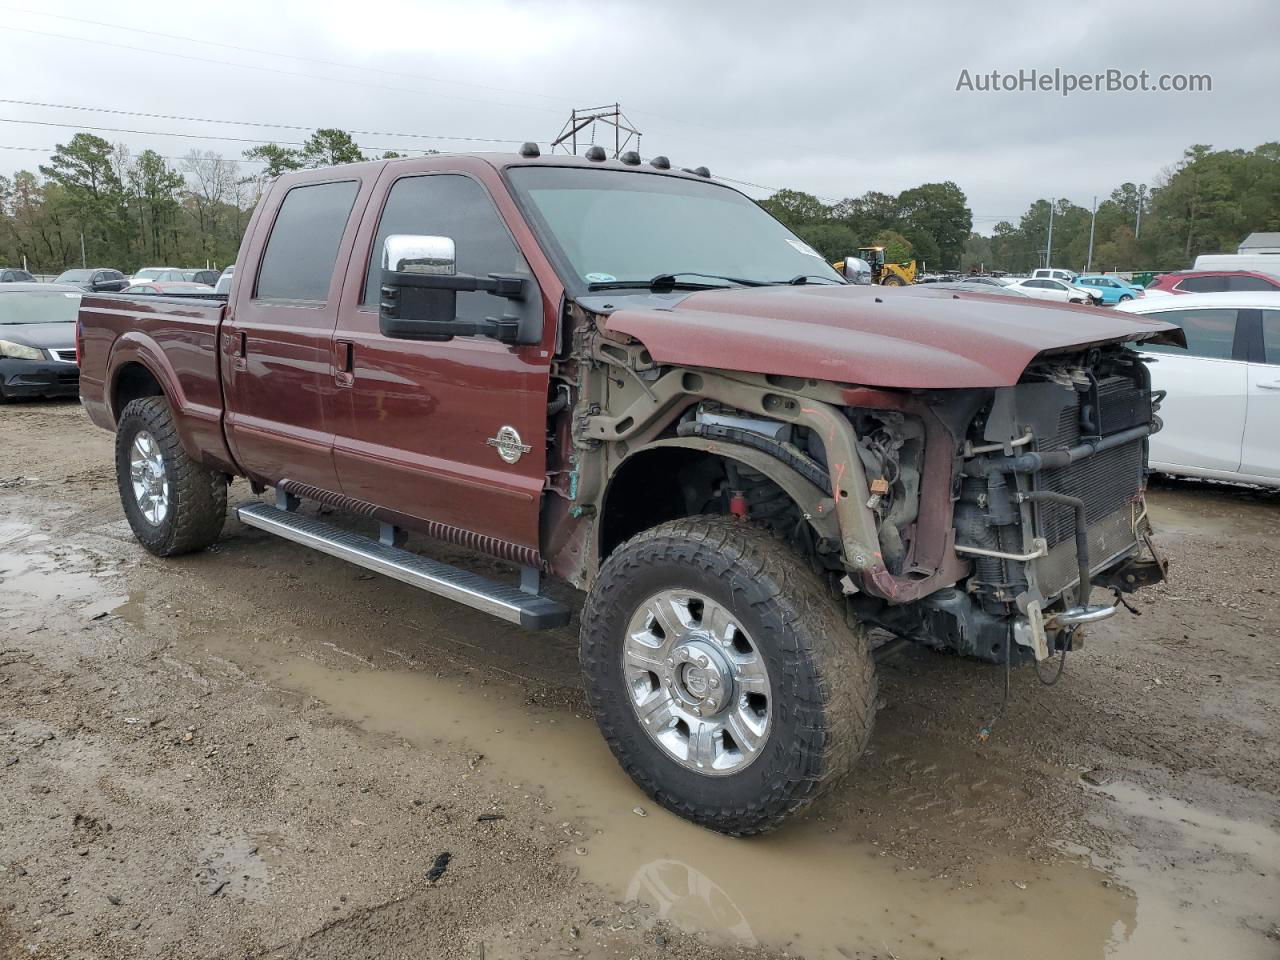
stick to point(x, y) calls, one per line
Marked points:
point(258, 751)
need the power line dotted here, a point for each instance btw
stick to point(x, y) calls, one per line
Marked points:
point(252, 123)
point(253, 66)
point(189, 136)
point(277, 53)
point(162, 156)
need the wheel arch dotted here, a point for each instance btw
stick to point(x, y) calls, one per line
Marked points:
point(650, 487)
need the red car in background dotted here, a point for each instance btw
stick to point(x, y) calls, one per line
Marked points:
point(1214, 281)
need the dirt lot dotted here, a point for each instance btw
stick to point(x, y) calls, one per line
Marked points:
point(260, 751)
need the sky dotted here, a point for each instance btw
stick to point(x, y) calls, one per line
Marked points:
point(829, 99)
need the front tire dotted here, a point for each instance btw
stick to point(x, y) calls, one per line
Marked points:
point(723, 674)
point(174, 504)
point(1125, 297)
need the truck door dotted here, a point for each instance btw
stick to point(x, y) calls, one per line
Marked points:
point(420, 428)
point(1261, 452)
point(1204, 412)
point(277, 368)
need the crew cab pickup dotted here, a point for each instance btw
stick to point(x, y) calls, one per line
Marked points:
point(632, 379)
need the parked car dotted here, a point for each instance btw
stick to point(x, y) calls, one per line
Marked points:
point(964, 286)
point(147, 274)
point(987, 281)
point(1043, 288)
point(515, 358)
point(1222, 413)
point(1214, 281)
point(1054, 273)
point(14, 275)
point(208, 277)
point(163, 287)
point(224, 281)
point(96, 280)
point(1268, 263)
point(38, 340)
point(1112, 288)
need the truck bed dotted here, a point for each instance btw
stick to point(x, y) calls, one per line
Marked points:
point(126, 342)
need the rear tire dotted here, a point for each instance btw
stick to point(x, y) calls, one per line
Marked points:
point(793, 670)
point(174, 504)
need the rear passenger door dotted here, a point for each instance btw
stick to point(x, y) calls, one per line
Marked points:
point(276, 343)
point(420, 420)
point(1204, 411)
point(1261, 450)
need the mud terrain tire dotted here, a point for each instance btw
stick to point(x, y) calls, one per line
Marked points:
point(196, 496)
point(820, 673)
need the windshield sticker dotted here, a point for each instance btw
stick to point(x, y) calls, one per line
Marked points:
point(599, 277)
point(804, 248)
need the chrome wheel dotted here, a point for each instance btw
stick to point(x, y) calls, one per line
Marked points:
point(149, 478)
point(697, 682)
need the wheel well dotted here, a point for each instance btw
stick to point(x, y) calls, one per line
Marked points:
point(133, 382)
point(670, 482)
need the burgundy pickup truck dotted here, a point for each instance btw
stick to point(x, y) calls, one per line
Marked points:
point(631, 378)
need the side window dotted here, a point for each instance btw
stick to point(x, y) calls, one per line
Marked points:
point(1203, 285)
point(1271, 336)
point(1053, 285)
point(1249, 283)
point(1210, 333)
point(303, 246)
point(449, 205)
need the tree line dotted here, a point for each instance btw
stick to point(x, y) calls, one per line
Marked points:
point(1206, 202)
point(99, 204)
point(133, 210)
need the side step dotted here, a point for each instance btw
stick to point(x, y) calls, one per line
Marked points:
point(531, 611)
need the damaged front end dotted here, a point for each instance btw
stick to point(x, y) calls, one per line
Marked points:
point(1049, 502)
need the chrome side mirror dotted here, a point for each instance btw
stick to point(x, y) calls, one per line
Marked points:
point(857, 271)
point(408, 253)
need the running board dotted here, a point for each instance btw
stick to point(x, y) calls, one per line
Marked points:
point(529, 610)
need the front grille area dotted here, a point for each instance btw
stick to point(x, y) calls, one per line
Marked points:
point(1108, 537)
point(1108, 482)
point(66, 355)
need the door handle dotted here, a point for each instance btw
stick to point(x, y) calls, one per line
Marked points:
point(1272, 385)
point(344, 362)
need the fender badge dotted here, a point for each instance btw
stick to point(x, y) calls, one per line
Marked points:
point(507, 443)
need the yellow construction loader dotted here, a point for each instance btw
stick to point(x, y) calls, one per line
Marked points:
point(888, 274)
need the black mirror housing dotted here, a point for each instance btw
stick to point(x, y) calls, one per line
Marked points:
point(423, 306)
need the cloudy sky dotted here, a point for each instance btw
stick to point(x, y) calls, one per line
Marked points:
point(835, 99)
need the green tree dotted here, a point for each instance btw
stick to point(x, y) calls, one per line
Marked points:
point(936, 219)
point(329, 146)
point(278, 159)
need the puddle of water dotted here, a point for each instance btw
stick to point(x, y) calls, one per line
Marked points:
point(1212, 881)
point(234, 866)
point(35, 576)
point(805, 887)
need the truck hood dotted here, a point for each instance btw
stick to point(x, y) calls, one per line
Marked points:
point(910, 337)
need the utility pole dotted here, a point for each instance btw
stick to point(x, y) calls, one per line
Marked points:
point(1092, 220)
point(1048, 253)
point(1137, 227)
point(610, 115)
point(84, 263)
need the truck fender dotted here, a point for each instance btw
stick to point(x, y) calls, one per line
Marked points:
point(199, 426)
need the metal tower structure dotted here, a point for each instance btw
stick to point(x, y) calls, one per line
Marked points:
point(610, 115)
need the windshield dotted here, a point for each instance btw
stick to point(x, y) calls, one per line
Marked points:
point(53, 306)
point(614, 226)
point(150, 273)
point(74, 276)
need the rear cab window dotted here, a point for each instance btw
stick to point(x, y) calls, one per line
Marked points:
point(302, 249)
